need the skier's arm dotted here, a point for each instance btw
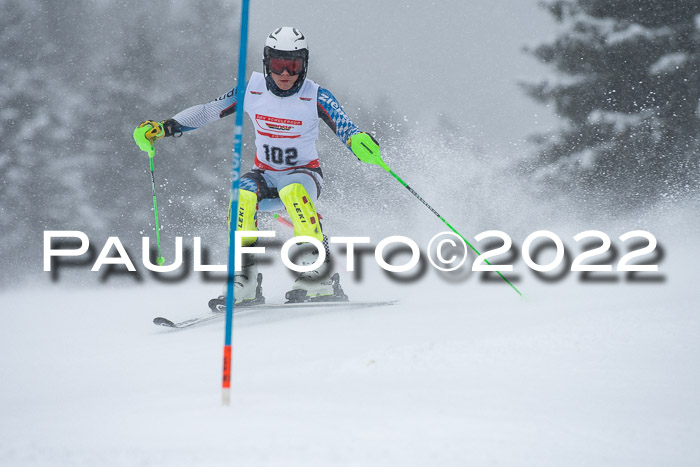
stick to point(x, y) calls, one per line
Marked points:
point(200, 115)
point(362, 144)
point(330, 111)
point(150, 131)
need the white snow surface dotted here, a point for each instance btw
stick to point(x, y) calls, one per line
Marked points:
point(460, 373)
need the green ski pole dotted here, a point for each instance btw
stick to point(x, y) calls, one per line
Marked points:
point(147, 145)
point(371, 157)
point(151, 154)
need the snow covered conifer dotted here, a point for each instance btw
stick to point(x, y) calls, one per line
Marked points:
point(627, 83)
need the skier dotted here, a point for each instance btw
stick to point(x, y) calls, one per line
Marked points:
point(285, 108)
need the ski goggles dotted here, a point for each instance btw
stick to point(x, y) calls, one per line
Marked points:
point(293, 66)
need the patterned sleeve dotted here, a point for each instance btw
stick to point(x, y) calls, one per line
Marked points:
point(203, 114)
point(330, 112)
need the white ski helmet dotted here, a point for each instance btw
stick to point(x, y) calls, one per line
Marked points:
point(289, 45)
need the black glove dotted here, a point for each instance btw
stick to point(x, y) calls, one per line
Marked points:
point(172, 127)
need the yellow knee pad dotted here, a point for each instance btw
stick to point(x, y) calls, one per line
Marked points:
point(247, 207)
point(301, 210)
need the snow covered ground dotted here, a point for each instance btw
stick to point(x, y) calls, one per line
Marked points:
point(460, 373)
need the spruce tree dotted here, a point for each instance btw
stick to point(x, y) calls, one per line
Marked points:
point(41, 169)
point(628, 87)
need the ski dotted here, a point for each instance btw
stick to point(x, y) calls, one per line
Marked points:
point(161, 321)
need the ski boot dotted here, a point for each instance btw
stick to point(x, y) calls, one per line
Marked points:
point(317, 285)
point(247, 287)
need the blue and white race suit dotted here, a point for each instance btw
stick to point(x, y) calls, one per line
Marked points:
point(286, 130)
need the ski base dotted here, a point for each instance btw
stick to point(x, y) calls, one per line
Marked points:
point(160, 321)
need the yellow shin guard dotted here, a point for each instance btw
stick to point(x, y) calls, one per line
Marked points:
point(247, 207)
point(301, 210)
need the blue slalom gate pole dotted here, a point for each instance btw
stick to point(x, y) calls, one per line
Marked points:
point(235, 184)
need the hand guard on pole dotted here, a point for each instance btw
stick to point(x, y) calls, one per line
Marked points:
point(366, 148)
point(147, 133)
